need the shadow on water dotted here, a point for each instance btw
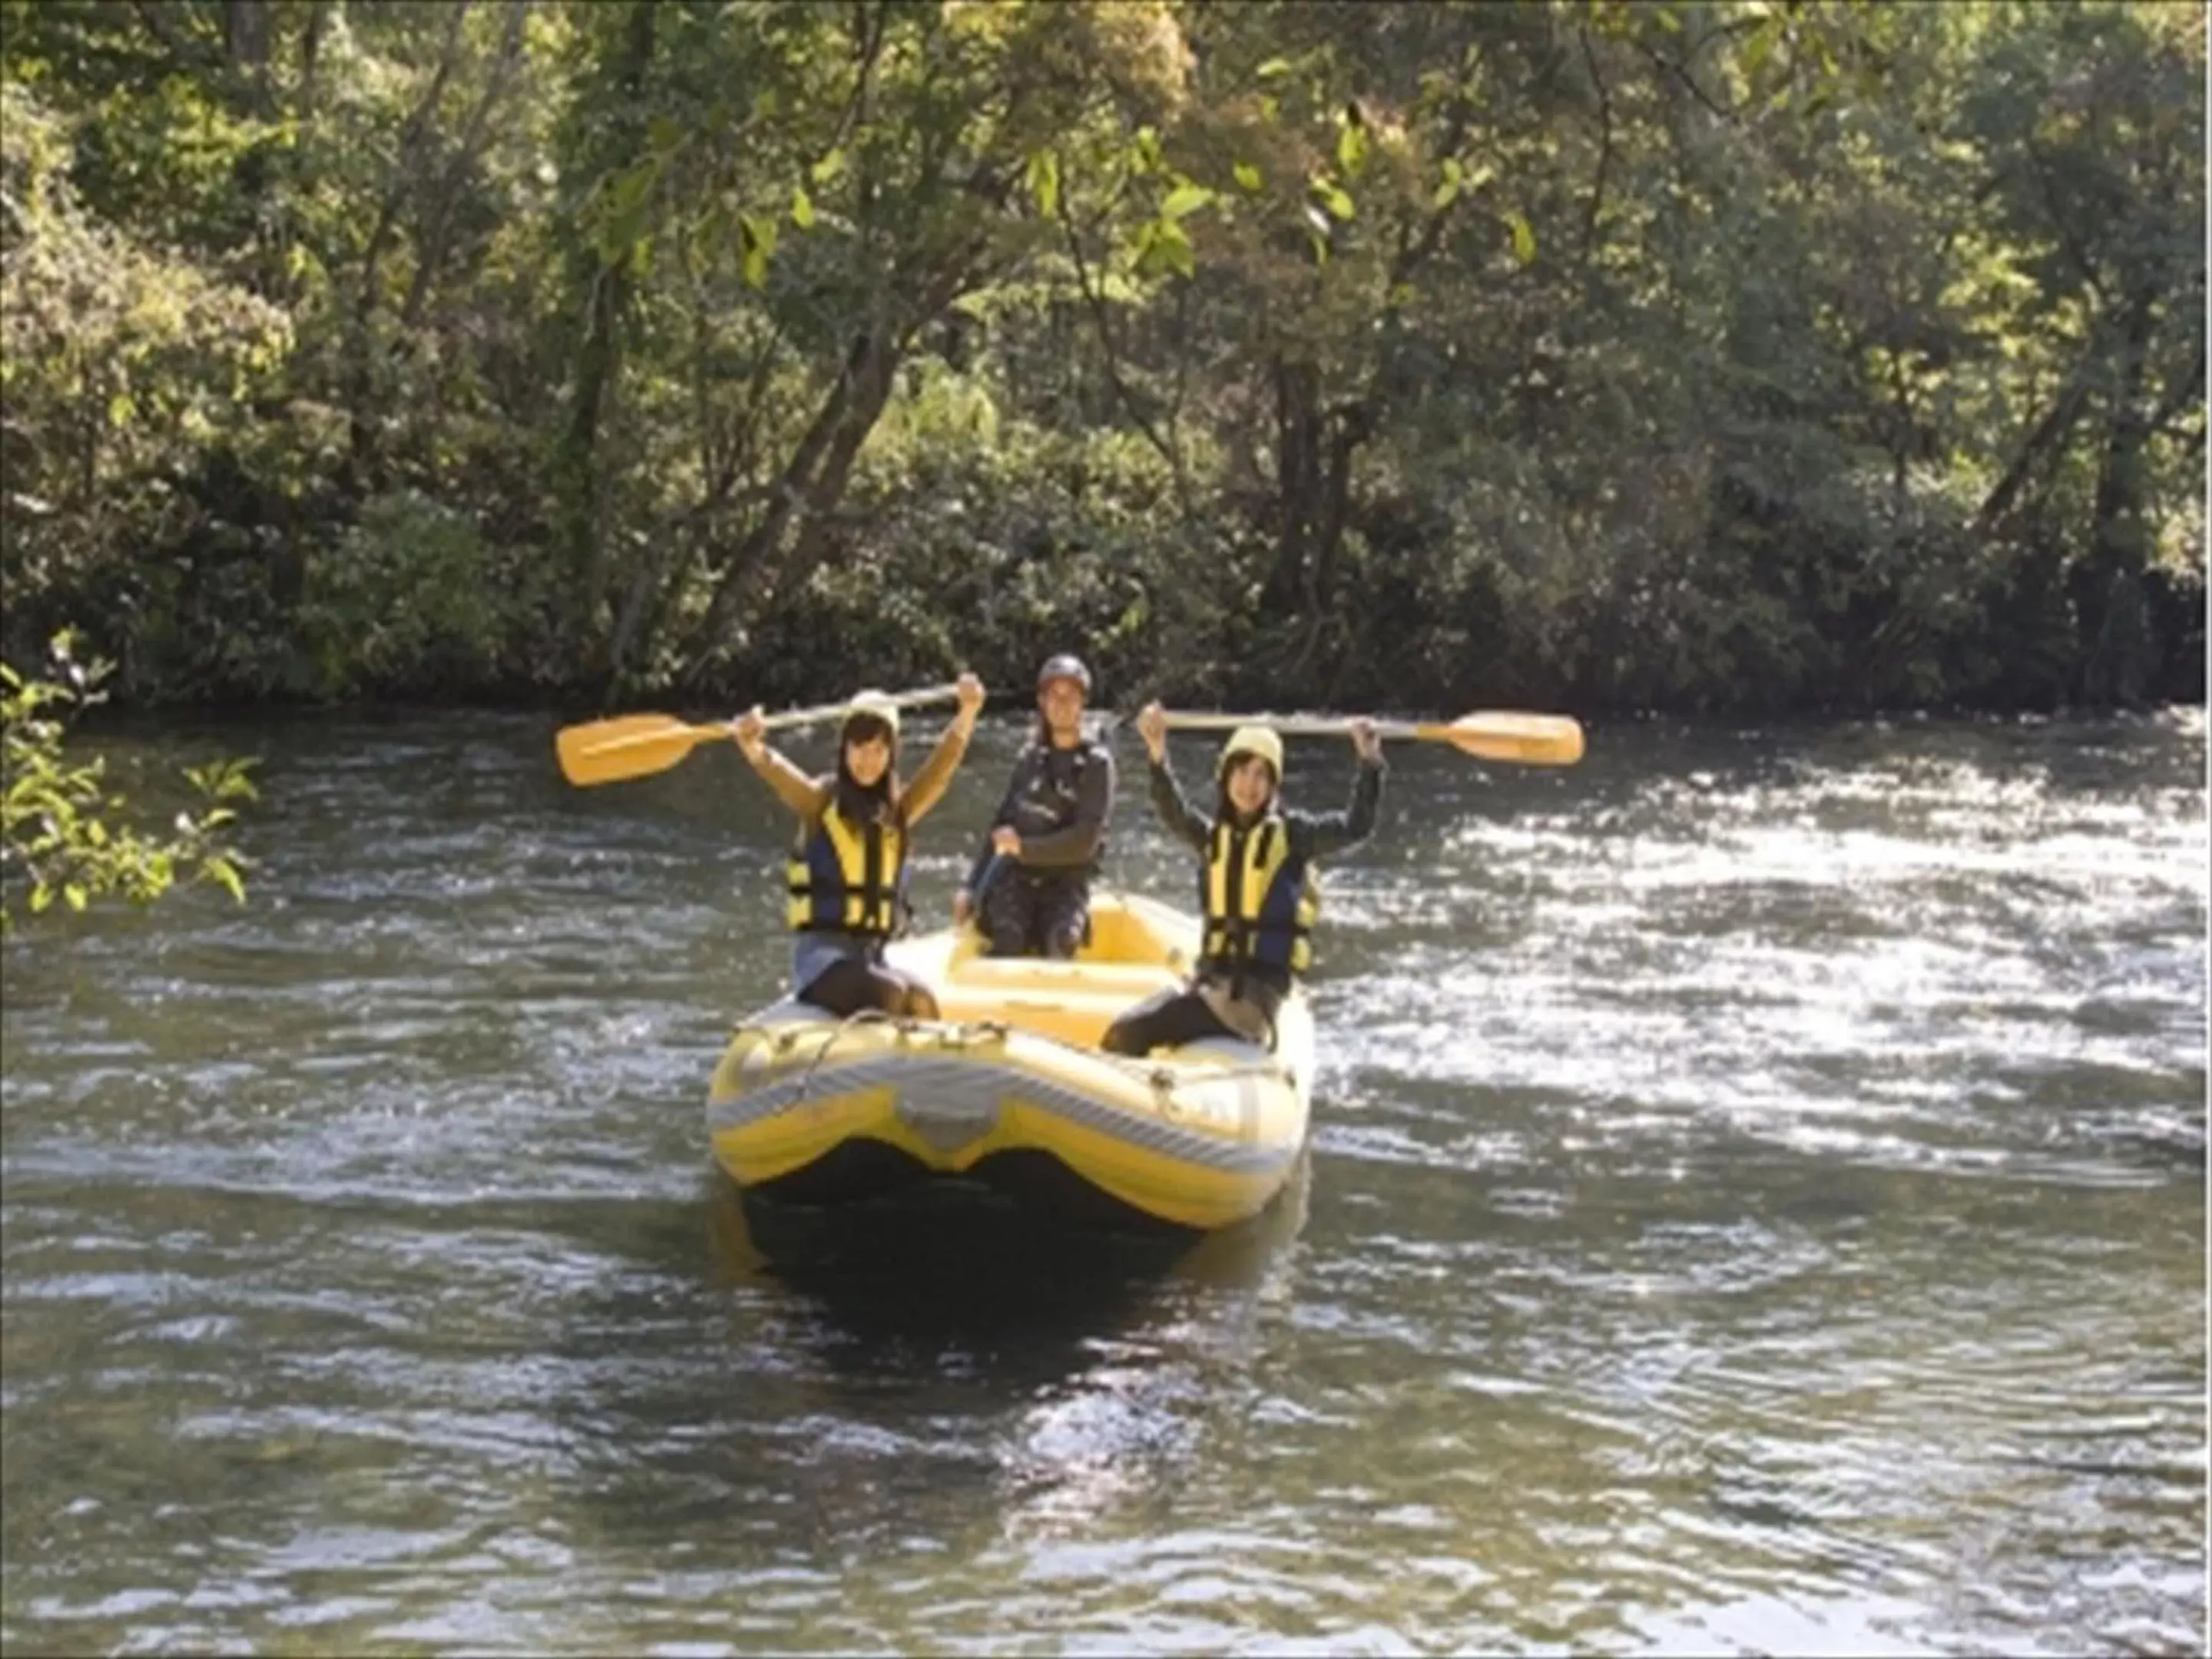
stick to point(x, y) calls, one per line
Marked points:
point(900, 1370)
point(946, 1268)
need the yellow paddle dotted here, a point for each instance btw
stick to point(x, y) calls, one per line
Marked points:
point(637, 745)
point(1532, 739)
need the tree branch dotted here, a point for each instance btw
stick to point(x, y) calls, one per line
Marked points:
point(1673, 67)
point(193, 53)
point(2063, 224)
point(433, 255)
point(359, 440)
point(1604, 151)
point(867, 50)
point(1095, 301)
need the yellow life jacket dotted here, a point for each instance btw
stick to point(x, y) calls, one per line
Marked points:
point(1259, 905)
point(845, 877)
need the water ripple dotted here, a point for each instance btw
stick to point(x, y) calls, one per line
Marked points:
point(1757, 1204)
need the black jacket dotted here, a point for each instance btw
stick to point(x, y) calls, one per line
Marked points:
point(1057, 801)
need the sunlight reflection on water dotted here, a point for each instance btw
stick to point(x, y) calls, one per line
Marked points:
point(1757, 1206)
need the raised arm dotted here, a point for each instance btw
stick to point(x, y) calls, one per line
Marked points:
point(936, 774)
point(804, 795)
point(1167, 799)
point(1319, 833)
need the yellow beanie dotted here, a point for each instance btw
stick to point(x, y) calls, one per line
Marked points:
point(873, 705)
point(1259, 741)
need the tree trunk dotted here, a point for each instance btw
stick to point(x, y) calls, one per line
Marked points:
point(577, 470)
point(246, 40)
point(438, 221)
point(1348, 429)
point(598, 364)
point(1297, 469)
point(2049, 436)
point(2109, 609)
point(872, 391)
point(785, 499)
point(1314, 452)
point(813, 481)
point(362, 463)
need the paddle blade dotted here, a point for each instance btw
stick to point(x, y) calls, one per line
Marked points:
point(1529, 740)
point(634, 746)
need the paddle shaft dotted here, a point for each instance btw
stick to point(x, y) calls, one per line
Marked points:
point(927, 693)
point(1526, 739)
point(789, 717)
point(636, 746)
point(1291, 725)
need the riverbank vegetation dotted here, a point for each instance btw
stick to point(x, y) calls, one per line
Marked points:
point(66, 835)
point(1579, 354)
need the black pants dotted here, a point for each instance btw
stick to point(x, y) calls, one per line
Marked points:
point(1035, 916)
point(848, 986)
point(1165, 1019)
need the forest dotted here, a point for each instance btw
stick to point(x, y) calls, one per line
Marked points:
point(1753, 357)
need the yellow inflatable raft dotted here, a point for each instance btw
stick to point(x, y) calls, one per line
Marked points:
point(1009, 1087)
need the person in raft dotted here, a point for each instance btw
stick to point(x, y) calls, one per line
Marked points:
point(1256, 884)
point(848, 867)
point(1048, 831)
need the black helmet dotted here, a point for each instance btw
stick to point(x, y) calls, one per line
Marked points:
point(1064, 666)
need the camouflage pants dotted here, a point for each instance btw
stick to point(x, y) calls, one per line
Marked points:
point(1032, 916)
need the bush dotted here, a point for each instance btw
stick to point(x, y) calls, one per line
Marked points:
point(404, 597)
point(55, 824)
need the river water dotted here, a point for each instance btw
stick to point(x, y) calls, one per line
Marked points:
point(1756, 1204)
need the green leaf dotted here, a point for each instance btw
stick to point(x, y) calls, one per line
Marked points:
point(1161, 247)
point(1042, 176)
point(1248, 177)
point(1186, 199)
point(802, 208)
point(1141, 250)
point(1448, 191)
point(1273, 70)
point(1524, 238)
point(756, 244)
point(1351, 148)
point(1755, 49)
point(1180, 254)
point(41, 897)
point(76, 896)
point(826, 170)
point(1333, 198)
